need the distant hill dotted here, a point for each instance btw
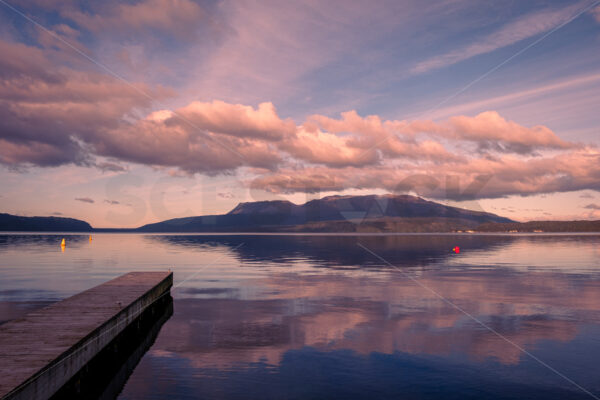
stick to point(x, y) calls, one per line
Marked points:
point(42, 224)
point(542, 226)
point(372, 213)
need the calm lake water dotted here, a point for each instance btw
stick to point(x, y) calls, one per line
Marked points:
point(301, 317)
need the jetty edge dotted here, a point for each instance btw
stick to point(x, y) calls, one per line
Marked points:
point(42, 351)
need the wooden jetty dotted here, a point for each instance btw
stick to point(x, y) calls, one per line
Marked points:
point(42, 351)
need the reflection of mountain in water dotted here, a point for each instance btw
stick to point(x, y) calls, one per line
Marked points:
point(341, 251)
point(106, 374)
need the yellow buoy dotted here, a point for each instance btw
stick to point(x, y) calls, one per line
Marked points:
point(63, 243)
point(90, 238)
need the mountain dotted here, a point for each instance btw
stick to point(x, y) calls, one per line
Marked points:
point(364, 214)
point(42, 224)
point(372, 213)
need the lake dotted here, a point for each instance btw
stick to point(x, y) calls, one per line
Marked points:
point(334, 316)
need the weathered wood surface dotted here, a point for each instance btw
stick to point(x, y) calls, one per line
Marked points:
point(44, 349)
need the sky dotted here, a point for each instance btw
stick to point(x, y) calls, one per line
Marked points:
point(126, 113)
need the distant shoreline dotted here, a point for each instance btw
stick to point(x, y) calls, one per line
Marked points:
point(334, 215)
point(58, 233)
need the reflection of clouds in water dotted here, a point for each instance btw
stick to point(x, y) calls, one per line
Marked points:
point(276, 296)
point(338, 252)
point(383, 314)
point(281, 304)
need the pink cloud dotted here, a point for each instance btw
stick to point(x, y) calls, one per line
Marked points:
point(326, 148)
point(236, 120)
point(110, 167)
point(178, 17)
point(525, 27)
point(370, 126)
point(400, 139)
point(166, 144)
point(56, 115)
point(476, 178)
point(49, 113)
point(364, 137)
point(596, 13)
point(21, 61)
point(490, 129)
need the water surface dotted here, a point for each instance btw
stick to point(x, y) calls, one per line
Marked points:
point(296, 317)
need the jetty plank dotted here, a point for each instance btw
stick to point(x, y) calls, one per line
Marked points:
point(41, 351)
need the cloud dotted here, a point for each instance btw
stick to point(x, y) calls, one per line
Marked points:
point(54, 115)
point(49, 114)
point(210, 138)
point(269, 47)
point(221, 137)
point(592, 206)
point(474, 179)
point(235, 120)
point(354, 141)
point(112, 202)
point(523, 28)
point(566, 105)
point(162, 143)
point(176, 17)
point(25, 62)
point(57, 213)
point(41, 154)
point(110, 167)
point(361, 138)
point(586, 196)
point(326, 148)
point(596, 13)
point(78, 117)
point(489, 129)
point(85, 200)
